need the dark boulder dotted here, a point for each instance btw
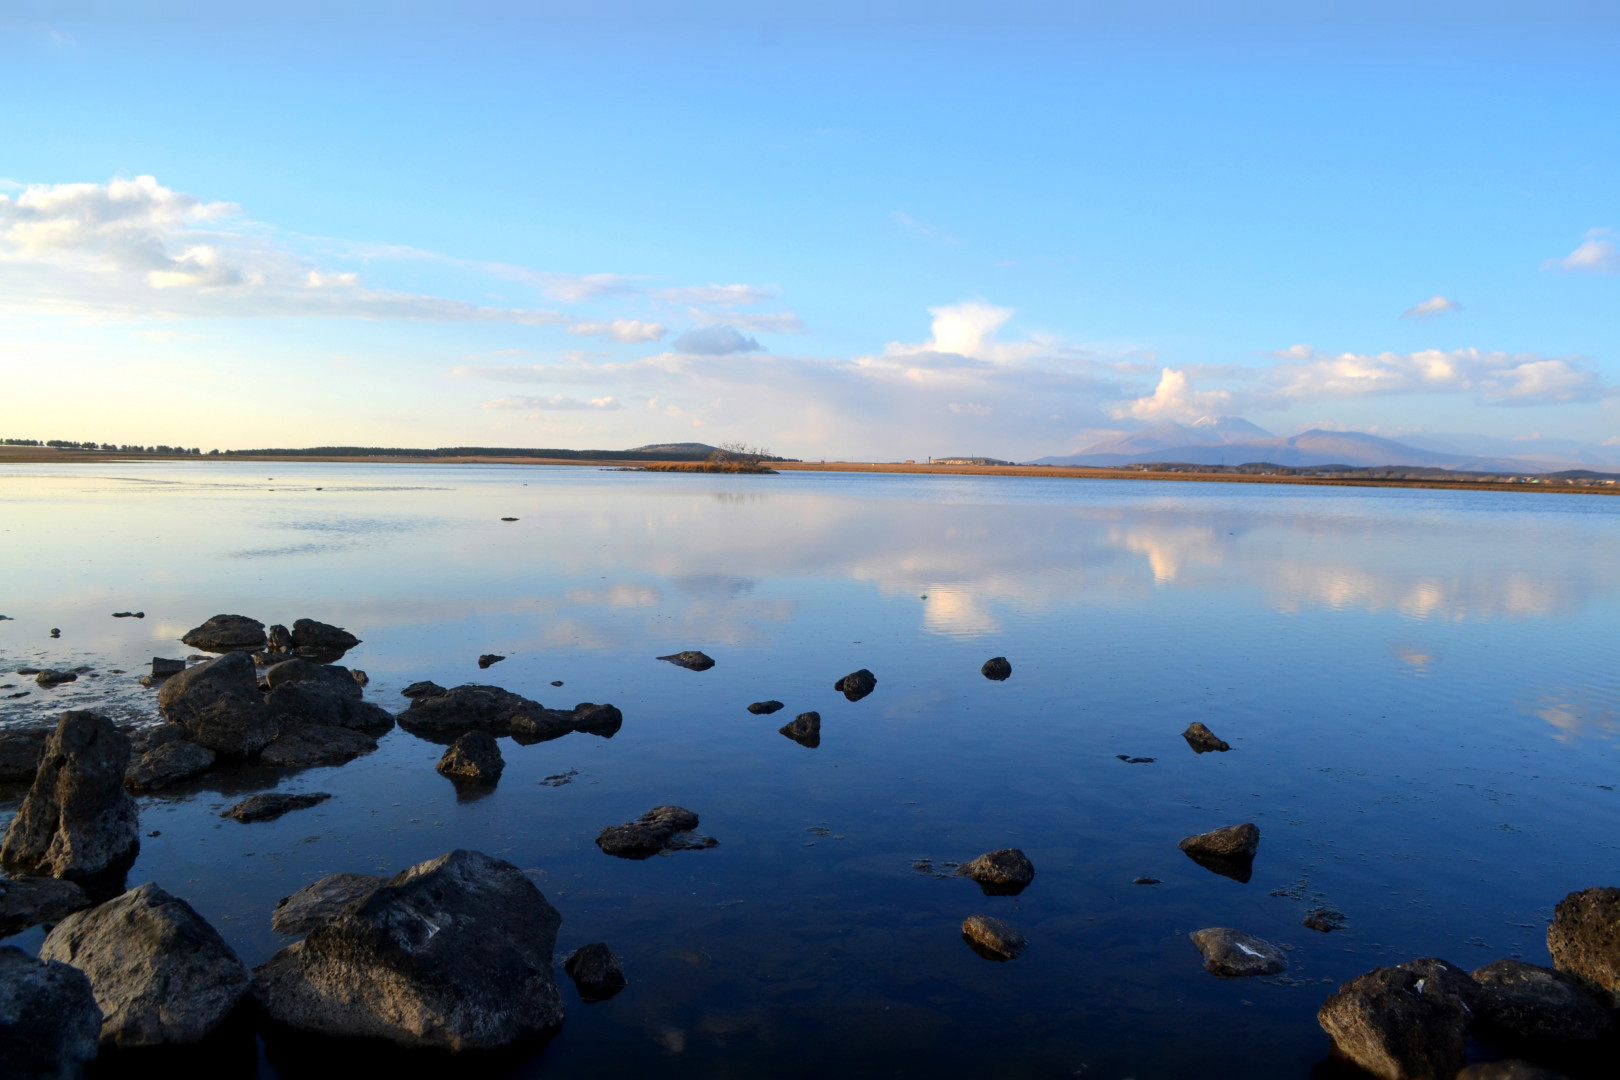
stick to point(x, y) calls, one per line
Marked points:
point(316, 744)
point(454, 953)
point(1228, 851)
point(315, 903)
point(50, 1026)
point(489, 660)
point(1202, 740)
point(162, 669)
point(596, 972)
point(593, 719)
point(1444, 977)
point(765, 708)
point(30, 901)
point(470, 707)
point(20, 748)
point(1524, 1006)
point(77, 820)
point(279, 640)
point(856, 685)
point(227, 634)
point(804, 730)
point(1004, 872)
point(326, 695)
point(1584, 940)
point(1397, 1025)
point(663, 828)
point(159, 972)
point(56, 678)
point(691, 659)
point(425, 688)
point(146, 739)
point(168, 763)
point(1323, 920)
point(991, 938)
point(321, 641)
point(476, 757)
point(220, 704)
point(271, 805)
point(1235, 955)
point(996, 669)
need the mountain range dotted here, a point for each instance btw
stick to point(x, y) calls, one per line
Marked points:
point(1231, 440)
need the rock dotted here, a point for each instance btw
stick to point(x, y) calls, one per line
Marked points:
point(1146, 881)
point(271, 805)
point(314, 904)
point(159, 972)
point(56, 631)
point(1584, 940)
point(596, 972)
point(227, 634)
point(508, 519)
point(1234, 954)
point(151, 738)
point(424, 688)
point(804, 730)
point(997, 669)
point(1004, 872)
point(1127, 759)
point(454, 953)
point(50, 1026)
point(470, 707)
point(556, 682)
point(162, 669)
point(322, 694)
point(168, 763)
point(129, 614)
point(856, 685)
point(1227, 851)
point(765, 708)
point(691, 659)
point(1523, 1005)
point(20, 748)
point(28, 671)
point(991, 938)
point(1397, 1025)
point(489, 659)
point(321, 641)
point(77, 820)
point(317, 744)
point(279, 640)
point(1203, 740)
point(475, 756)
point(1323, 921)
point(593, 719)
point(29, 901)
point(56, 678)
point(220, 704)
point(360, 677)
point(663, 828)
point(1442, 976)
point(1508, 1070)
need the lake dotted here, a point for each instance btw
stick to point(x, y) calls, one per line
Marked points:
point(1419, 688)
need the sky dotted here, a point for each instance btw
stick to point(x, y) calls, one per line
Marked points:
point(867, 231)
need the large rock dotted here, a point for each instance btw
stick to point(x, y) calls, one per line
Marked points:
point(1234, 954)
point(804, 730)
point(325, 695)
point(1228, 851)
point(596, 971)
point(1444, 977)
point(856, 685)
point(321, 640)
point(321, 900)
point(303, 747)
point(160, 973)
point(168, 763)
point(1522, 1005)
point(77, 820)
point(475, 757)
point(991, 938)
point(470, 707)
point(663, 828)
point(226, 634)
point(1584, 940)
point(50, 1026)
point(453, 953)
point(274, 804)
point(1397, 1025)
point(219, 703)
point(1003, 872)
point(30, 901)
point(19, 751)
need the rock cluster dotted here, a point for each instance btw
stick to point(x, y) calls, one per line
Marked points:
point(663, 828)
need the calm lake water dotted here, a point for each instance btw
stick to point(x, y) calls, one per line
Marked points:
point(1420, 689)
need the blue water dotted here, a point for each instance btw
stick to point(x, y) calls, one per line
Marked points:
point(1419, 687)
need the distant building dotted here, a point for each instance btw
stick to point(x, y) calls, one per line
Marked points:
point(967, 461)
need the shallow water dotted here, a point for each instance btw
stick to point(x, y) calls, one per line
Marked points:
point(1419, 688)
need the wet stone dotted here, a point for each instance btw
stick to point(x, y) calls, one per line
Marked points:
point(765, 708)
point(50, 1025)
point(227, 633)
point(475, 757)
point(168, 763)
point(1003, 872)
point(856, 685)
point(30, 901)
point(691, 660)
point(804, 730)
point(163, 668)
point(596, 971)
point(56, 678)
point(1234, 954)
point(424, 688)
point(1323, 920)
point(1202, 740)
point(1522, 1005)
point(1584, 940)
point(996, 669)
point(272, 805)
point(489, 660)
point(322, 900)
point(316, 744)
point(1397, 1024)
point(663, 828)
point(992, 938)
point(1227, 851)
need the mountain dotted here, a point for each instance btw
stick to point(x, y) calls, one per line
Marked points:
point(1205, 431)
point(672, 448)
point(1308, 448)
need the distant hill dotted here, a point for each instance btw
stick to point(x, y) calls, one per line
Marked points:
point(1309, 448)
point(1205, 431)
point(695, 448)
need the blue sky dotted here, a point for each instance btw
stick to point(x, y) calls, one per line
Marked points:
point(936, 229)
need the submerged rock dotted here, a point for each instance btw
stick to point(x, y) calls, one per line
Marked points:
point(425, 688)
point(1584, 940)
point(475, 756)
point(1004, 872)
point(227, 634)
point(765, 708)
point(996, 668)
point(50, 1026)
point(596, 971)
point(220, 704)
point(1522, 1005)
point(804, 730)
point(691, 659)
point(30, 901)
point(269, 806)
point(159, 972)
point(991, 938)
point(1234, 954)
point(1397, 1025)
point(663, 828)
point(315, 903)
point(856, 685)
point(1228, 851)
point(454, 953)
point(20, 748)
point(169, 762)
point(77, 820)
point(1202, 740)
point(56, 678)
point(1323, 920)
point(316, 744)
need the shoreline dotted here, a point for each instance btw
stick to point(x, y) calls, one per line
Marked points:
point(27, 455)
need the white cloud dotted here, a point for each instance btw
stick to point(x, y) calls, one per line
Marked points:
point(968, 329)
point(1433, 306)
point(726, 296)
point(554, 403)
point(1597, 254)
point(629, 331)
point(924, 228)
point(1175, 399)
point(715, 341)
